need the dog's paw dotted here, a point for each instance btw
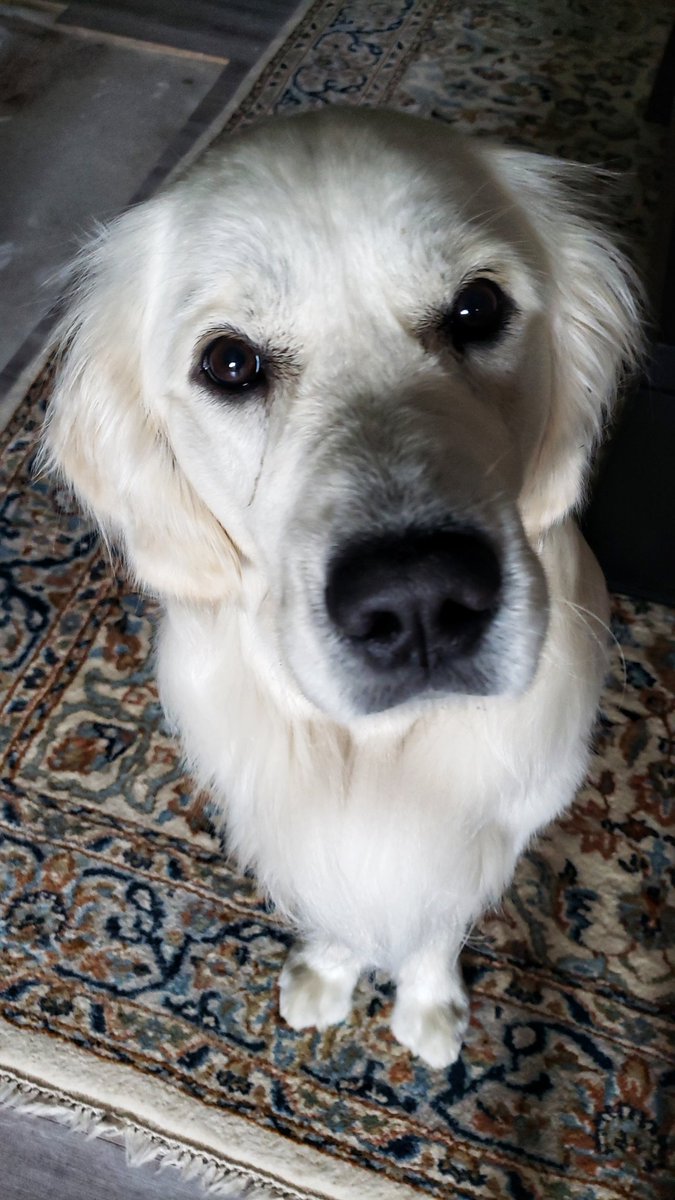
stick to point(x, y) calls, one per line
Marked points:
point(434, 1032)
point(310, 997)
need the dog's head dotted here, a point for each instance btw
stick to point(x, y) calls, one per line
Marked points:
point(346, 374)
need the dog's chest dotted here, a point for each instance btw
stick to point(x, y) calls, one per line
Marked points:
point(372, 842)
point(377, 849)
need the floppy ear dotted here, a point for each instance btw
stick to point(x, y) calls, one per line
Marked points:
point(103, 435)
point(594, 324)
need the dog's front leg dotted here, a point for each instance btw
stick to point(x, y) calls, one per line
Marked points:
point(317, 983)
point(431, 1013)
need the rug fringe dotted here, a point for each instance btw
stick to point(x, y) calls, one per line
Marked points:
point(142, 1146)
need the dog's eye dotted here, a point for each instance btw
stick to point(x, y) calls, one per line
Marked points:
point(232, 364)
point(479, 314)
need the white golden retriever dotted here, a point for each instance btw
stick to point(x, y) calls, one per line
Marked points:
point(334, 394)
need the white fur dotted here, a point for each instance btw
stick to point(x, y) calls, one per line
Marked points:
point(332, 237)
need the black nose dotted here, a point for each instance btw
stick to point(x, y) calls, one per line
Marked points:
point(416, 600)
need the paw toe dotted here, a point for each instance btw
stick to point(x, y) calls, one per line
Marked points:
point(434, 1032)
point(308, 998)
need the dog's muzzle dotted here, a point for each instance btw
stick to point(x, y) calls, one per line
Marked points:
point(408, 575)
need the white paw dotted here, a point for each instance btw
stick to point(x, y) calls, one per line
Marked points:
point(434, 1032)
point(310, 998)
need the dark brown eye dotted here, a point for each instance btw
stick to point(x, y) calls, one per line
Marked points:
point(232, 364)
point(479, 314)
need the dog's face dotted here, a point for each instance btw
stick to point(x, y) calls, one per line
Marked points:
point(348, 372)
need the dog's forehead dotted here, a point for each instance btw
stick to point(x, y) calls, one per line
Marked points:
point(306, 205)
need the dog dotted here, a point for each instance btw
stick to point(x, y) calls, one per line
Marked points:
point(334, 394)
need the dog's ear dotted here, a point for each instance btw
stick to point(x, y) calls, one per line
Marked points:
point(103, 434)
point(594, 327)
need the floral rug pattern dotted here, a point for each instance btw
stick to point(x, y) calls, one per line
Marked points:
point(571, 80)
point(123, 929)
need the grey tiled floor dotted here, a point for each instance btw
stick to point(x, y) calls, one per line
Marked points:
point(84, 120)
point(94, 117)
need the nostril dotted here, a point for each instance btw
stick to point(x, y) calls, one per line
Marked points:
point(474, 580)
point(451, 616)
point(383, 636)
point(455, 621)
point(383, 627)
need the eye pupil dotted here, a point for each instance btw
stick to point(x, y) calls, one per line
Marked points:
point(479, 313)
point(232, 364)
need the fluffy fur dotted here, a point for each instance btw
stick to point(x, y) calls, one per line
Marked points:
point(334, 241)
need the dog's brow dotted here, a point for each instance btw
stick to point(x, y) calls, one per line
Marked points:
point(287, 361)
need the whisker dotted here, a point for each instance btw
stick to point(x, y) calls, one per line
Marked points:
point(582, 613)
point(493, 466)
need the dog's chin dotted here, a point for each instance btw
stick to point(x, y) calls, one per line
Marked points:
point(419, 695)
point(344, 692)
